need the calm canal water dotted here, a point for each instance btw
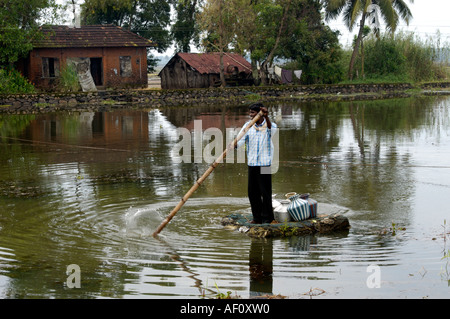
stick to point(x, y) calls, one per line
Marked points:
point(90, 188)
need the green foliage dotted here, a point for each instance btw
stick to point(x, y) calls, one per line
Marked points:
point(221, 295)
point(14, 43)
point(149, 19)
point(12, 82)
point(395, 228)
point(401, 58)
point(312, 46)
point(303, 43)
point(422, 57)
point(252, 97)
point(320, 61)
point(253, 27)
point(391, 13)
point(383, 56)
point(19, 24)
point(267, 21)
point(13, 126)
point(185, 27)
point(287, 231)
point(152, 63)
point(68, 81)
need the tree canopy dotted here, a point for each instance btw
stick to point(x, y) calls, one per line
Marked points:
point(19, 24)
point(149, 19)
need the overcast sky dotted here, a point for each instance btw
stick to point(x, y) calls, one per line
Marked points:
point(428, 17)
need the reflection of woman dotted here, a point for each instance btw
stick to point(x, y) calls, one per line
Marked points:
point(261, 268)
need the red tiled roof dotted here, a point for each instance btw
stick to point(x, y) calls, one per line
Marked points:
point(206, 63)
point(90, 36)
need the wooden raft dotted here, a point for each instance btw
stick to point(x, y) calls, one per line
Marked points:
point(321, 224)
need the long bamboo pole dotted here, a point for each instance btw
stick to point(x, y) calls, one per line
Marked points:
point(206, 174)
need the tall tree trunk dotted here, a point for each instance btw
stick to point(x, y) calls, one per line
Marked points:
point(363, 76)
point(222, 75)
point(356, 48)
point(263, 67)
point(255, 73)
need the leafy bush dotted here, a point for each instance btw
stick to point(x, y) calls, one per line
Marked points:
point(68, 81)
point(403, 57)
point(422, 57)
point(383, 57)
point(12, 82)
point(318, 54)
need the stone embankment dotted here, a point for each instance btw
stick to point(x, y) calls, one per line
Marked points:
point(107, 100)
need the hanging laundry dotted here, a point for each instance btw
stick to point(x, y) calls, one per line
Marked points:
point(286, 76)
point(277, 71)
point(298, 73)
point(271, 74)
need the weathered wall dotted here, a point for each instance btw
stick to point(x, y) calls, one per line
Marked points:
point(179, 75)
point(103, 100)
point(112, 78)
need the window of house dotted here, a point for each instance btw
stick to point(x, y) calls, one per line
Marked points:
point(50, 67)
point(125, 66)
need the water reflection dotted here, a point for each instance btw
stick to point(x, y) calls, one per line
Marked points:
point(261, 256)
point(69, 180)
point(261, 267)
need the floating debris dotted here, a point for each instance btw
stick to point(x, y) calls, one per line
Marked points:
point(244, 229)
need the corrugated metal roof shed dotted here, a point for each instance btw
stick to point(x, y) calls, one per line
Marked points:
point(90, 36)
point(206, 63)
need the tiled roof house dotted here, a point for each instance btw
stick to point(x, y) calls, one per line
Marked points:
point(202, 70)
point(116, 57)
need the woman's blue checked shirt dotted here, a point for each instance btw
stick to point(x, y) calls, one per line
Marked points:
point(259, 144)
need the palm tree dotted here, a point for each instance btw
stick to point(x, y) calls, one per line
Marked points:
point(390, 10)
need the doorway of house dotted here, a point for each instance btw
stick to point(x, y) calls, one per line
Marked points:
point(97, 71)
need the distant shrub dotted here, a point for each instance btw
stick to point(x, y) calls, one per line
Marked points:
point(422, 57)
point(402, 57)
point(12, 82)
point(383, 57)
point(68, 81)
